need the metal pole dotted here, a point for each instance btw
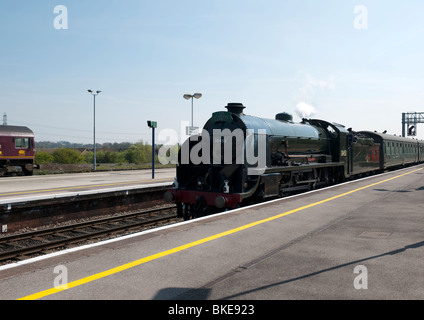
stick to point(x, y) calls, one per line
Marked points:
point(94, 134)
point(153, 153)
point(403, 124)
point(94, 125)
point(192, 111)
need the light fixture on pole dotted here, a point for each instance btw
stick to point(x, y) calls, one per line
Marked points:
point(94, 94)
point(191, 96)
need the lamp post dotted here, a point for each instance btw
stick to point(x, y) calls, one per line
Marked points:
point(191, 96)
point(94, 94)
point(153, 125)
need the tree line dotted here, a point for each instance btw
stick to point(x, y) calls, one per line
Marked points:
point(66, 144)
point(140, 152)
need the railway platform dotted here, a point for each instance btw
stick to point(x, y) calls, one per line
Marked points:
point(29, 202)
point(359, 240)
point(28, 188)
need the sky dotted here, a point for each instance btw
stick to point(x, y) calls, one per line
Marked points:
point(357, 63)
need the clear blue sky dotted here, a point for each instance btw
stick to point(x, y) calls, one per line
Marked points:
point(270, 55)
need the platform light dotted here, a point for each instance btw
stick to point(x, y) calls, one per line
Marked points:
point(94, 125)
point(188, 96)
point(152, 124)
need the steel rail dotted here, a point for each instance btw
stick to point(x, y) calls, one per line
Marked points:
point(100, 227)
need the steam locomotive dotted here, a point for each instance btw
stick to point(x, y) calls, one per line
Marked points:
point(17, 150)
point(240, 159)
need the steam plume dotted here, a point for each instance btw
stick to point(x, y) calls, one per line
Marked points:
point(304, 110)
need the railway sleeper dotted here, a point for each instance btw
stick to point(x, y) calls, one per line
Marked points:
point(40, 239)
point(20, 257)
point(58, 234)
point(100, 227)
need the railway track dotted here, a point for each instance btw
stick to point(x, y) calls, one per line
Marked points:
point(24, 245)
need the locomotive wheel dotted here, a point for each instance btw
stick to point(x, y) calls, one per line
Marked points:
point(179, 209)
point(193, 211)
point(186, 215)
point(202, 211)
point(189, 212)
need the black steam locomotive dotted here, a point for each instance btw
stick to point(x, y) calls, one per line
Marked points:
point(240, 159)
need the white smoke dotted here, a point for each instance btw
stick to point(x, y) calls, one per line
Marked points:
point(310, 89)
point(304, 110)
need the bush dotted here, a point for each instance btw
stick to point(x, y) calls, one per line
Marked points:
point(109, 157)
point(68, 156)
point(88, 157)
point(42, 157)
point(139, 153)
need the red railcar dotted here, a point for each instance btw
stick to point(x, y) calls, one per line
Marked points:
point(17, 150)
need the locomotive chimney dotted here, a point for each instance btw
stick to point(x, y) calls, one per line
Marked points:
point(235, 107)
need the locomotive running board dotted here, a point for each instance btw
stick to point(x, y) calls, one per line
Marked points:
point(303, 167)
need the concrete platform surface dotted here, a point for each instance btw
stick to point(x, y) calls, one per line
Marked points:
point(29, 187)
point(359, 240)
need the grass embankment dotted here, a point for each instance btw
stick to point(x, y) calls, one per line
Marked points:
point(53, 168)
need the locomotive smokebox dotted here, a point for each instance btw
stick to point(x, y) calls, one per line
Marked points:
point(235, 107)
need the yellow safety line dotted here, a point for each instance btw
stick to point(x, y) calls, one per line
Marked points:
point(192, 244)
point(82, 187)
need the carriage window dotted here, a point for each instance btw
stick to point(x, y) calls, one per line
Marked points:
point(21, 143)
